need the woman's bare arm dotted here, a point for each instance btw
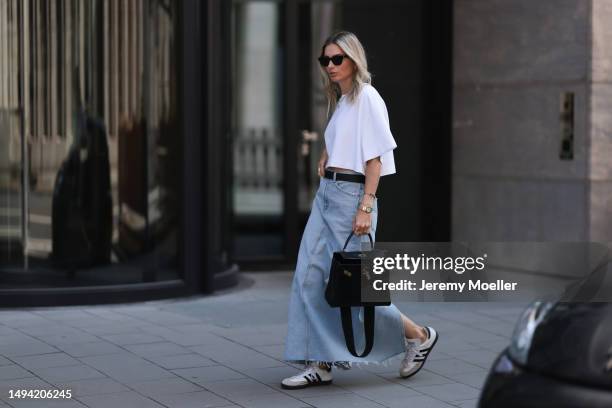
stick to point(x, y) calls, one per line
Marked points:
point(322, 161)
point(363, 221)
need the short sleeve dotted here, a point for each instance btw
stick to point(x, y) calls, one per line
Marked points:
point(373, 128)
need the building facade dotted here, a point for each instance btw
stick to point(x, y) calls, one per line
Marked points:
point(532, 144)
point(151, 147)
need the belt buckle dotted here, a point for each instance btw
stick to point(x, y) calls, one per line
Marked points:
point(335, 176)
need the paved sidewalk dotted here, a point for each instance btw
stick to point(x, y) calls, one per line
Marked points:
point(226, 351)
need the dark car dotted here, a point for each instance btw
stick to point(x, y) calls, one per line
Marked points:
point(560, 356)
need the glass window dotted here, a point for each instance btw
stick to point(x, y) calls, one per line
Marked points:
point(258, 205)
point(88, 96)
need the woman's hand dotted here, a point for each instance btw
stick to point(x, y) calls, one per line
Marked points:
point(362, 223)
point(322, 162)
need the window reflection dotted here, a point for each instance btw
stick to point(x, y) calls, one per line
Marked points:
point(258, 204)
point(87, 117)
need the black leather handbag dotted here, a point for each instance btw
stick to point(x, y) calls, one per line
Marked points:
point(344, 290)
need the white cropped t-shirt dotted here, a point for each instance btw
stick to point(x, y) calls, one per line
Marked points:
point(359, 131)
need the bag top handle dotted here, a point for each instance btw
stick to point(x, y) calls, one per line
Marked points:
point(351, 235)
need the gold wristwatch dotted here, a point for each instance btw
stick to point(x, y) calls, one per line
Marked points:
point(366, 209)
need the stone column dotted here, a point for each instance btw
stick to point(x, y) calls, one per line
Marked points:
point(600, 165)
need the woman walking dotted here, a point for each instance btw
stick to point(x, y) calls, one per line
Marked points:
point(358, 151)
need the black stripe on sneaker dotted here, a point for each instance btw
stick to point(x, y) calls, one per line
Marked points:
point(307, 379)
point(318, 377)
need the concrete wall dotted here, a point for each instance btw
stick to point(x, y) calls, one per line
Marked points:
point(513, 59)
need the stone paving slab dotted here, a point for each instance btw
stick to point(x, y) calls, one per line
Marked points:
point(202, 375)
point(449, 392)
point(173, 362)
point(424, 378)
point(35, 403)
point(93, 386)
point(200, 399)
point(342, 401)
point(46, 361)
point(13, 371)
point(121, 399)
point(69, 373)
point(164, 386)
point(226, 350)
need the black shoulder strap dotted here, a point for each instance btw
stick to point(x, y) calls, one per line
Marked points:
point(347, 327)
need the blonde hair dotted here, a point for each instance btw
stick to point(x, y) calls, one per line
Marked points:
point(352, 47)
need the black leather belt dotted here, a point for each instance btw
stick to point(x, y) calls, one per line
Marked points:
point(355, 178)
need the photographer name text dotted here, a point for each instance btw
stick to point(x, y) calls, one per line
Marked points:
point(423, 285)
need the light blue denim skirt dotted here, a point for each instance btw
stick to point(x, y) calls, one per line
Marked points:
point(314, 331)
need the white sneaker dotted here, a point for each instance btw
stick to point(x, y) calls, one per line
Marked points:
point(313, 375)
point(416, 353)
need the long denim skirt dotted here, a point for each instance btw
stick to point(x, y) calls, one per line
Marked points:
point(314, 332)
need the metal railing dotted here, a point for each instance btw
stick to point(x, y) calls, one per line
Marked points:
point(258, 159)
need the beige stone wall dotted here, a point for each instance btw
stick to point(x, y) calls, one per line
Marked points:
point(600, 166)
point(513, 59)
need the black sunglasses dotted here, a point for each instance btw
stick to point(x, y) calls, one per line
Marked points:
point(336, 60)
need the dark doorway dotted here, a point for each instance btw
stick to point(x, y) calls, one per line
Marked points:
point(278, 117)
point(410, 55)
